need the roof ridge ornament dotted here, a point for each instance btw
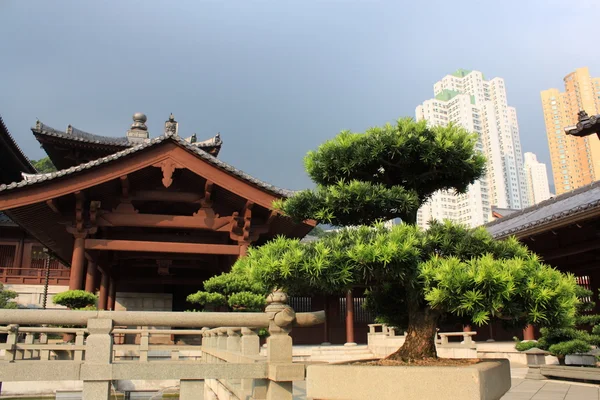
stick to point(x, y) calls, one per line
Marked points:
point(138, 133)
point(171, 126)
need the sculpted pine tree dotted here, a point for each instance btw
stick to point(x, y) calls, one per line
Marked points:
point(414, 277)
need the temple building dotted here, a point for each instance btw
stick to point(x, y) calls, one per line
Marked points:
point(141, 221)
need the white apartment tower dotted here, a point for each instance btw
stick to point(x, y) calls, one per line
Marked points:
point(466, 98)
point(537, 179)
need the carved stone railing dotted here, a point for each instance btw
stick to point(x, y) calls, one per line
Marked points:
point(229, 350)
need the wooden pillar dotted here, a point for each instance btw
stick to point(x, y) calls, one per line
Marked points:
point(90, 277)
point(112, 293)
point(243, 249)
point(77, 263)
point(326, 340)
point(529, 333)
point(104, 288)
point(349, 319)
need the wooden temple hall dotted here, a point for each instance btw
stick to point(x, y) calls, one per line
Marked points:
point(143, 222)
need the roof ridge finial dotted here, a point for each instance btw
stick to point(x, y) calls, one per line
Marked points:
point(171, 126)
point(138, 133)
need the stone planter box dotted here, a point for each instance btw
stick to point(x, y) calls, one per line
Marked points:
point(487, 380)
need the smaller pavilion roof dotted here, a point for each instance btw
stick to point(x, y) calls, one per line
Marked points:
point(562, 210)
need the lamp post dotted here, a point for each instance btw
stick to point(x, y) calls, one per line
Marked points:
point(586, 126)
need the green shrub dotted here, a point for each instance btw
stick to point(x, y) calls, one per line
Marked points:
point(6, 298)
point(246, 301)
point(207, 299)
point(76, 299)
point(524, 346)
point(561, 350)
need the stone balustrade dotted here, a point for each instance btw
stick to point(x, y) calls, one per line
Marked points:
point(231, 367)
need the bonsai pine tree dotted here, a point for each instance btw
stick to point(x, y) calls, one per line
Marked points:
point(414, 277)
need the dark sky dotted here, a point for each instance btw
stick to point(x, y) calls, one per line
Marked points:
point(276, 78)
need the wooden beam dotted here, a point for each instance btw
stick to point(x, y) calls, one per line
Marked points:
point(219, 224)
point(165, 280)
point(571, 250)
point(161, 247)
point(159, 195)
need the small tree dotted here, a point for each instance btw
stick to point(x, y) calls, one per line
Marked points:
point(76, 299)
point(562, 341)
point(414, 277)
point(6, 298)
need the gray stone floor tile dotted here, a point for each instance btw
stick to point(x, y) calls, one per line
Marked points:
point(577, 392)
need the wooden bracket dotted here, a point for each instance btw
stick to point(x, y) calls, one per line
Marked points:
point(208, 190)
point(53, 206)
point(167, 167)
point(79, 199)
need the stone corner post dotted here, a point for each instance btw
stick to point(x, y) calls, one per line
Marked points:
point(279, 343)
point(98, 360)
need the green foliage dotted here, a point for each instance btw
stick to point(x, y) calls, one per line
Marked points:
point(6, 297)
point(524, 346)
point(76, 299)
point(247, 301)
point(386, 172)
point(205, 298)
point(521, 289)
point(411, 275)
point(43, 165)
point(563, 349)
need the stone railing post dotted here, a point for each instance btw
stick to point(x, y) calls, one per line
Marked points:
point(44, 354)
point(250, 346)
point(222, 339)
point(98, 360)
point(11, 340)
point(29, 339)
point(233, 341)
point(279, 343)
point(144, 344)
point(79, 340)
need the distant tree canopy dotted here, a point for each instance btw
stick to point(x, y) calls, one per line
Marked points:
point(43, 165)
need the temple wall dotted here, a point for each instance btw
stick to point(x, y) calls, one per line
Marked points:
point(32, 296)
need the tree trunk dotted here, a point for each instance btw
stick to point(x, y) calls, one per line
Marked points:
point(420, 338)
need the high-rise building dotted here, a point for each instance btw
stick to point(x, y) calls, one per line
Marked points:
point(537, 179)
point(575, 161)
point(466, 98)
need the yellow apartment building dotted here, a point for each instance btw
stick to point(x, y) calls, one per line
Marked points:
point(575, 161)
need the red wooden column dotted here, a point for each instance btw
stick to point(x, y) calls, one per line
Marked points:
point(112, 293)
point(104, 288)
point(77, 263)
point(90, 276)
point(349, 319)
point(529, 333)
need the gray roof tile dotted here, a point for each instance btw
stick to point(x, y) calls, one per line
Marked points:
point(37, 179)
point(81, 136)
point(554, 209)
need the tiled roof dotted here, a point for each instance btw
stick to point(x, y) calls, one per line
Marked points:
point(81, 136)
point(570, 204)
point(38, 179)
point(504, 212)
point(4, 131)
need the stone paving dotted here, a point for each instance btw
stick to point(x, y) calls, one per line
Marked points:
point(526, 389)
